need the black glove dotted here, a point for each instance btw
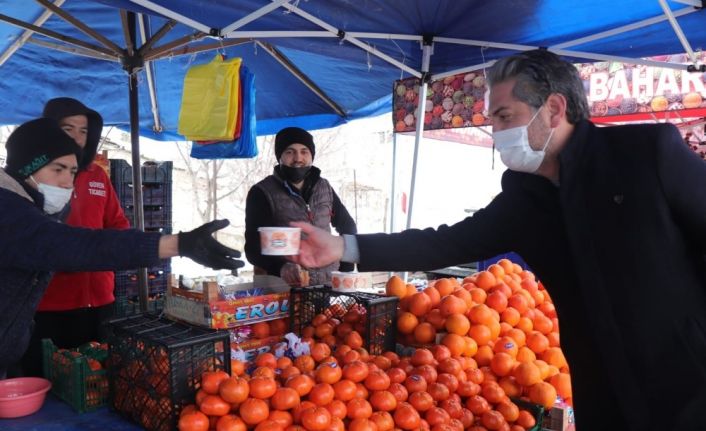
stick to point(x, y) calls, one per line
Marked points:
point(200, 246)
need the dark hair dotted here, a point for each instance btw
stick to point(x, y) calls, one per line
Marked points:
point(539, 73)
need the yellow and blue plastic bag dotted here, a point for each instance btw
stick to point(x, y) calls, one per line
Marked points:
point(209, 103)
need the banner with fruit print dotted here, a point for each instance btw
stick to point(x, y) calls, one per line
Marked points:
point(616, 92)
point(629, 92)
point(453, 102)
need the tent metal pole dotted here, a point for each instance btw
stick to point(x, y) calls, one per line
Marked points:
point(343, 36)
point(150, 77)
point(623, 29)
point(159, 34)
point(27, 34)
point(294, 70)
point(58, 36)
point(164, 51)
point(154, 7)
point(393, 200)
point(129, 28)
point(677, 29)
point(253, 16)
point(81, 26)
point(427, 50)
point(70, 49)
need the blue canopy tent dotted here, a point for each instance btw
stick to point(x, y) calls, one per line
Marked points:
point(318, 63)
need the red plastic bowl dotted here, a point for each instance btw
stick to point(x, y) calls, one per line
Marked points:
point(22, 396)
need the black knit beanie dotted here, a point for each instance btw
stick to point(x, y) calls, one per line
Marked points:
point(35, 144)
point(293, 135)
point(62, 107)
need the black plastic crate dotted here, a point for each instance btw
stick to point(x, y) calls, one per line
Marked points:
point(380, 330)
point(152, 172)
point(130, 306)
point(152, 194)
point(157, 278)
point(155, 216)
point(155, 366)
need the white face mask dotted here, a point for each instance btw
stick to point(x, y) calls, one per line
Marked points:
point(55, 198)
point(515, 151)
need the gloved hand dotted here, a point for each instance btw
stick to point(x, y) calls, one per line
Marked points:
point(200, 246)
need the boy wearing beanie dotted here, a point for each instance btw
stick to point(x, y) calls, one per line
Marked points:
point(294, 192)
point(76, 304)
point(37, 182)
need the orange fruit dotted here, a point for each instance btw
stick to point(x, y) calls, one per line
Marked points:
point(543, 394)
point(425, 333)
point(509, 410)
point(480, 333)
point(524, 354)
point(395, 286)
point(436, 318)
point(526, 420)
point(537, 342)
point(260, 330)
point(406, 322)
point(419, 304)
point(502, 363)
point(444, 286)
point(433, 294)
point(497, 271)
point(525, 325)
point(484, 355)
point(554, 356)
point(480, 314)
point(485, 280)
point(455, 343)
point(478, 295)
point(497, 300)
point(519, 336)
point(253, 411)
point(452, 304)
point(279, 326)
point(471, 347)
point(562, 384)
point(510, 386)
point(507, 265)
point(457, 323)
point(527, 374)
point(543, 368)
point(507, 345)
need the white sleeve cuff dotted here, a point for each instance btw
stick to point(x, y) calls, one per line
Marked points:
point(351, 253)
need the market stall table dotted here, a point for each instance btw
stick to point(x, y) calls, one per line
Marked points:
point(56, 415)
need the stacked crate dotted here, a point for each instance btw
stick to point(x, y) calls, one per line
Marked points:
point(157, 208)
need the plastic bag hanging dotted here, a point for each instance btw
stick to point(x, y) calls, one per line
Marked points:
point(209, 104)
point(246, 145)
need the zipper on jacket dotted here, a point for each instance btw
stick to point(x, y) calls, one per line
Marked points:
point(309, 214)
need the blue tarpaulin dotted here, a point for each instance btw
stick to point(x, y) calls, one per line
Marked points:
point(318, 63)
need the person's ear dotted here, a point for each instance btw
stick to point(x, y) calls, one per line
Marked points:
point(556, 105)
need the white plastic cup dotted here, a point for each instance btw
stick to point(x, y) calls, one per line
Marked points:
point(350, 281)
point(279, 241)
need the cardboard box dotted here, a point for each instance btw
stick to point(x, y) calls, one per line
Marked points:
point(266, 298)
point(251, 349)
point(557, 419)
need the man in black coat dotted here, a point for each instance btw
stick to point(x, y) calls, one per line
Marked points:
point(613, 221)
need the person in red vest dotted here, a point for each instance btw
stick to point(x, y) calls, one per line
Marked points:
point(76, 304)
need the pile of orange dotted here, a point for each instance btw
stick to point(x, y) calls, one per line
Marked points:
point(491, 338)
point(351, 391)
point(269, 328)
point(502, 318)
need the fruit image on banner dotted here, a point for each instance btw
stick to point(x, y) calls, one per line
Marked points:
point(453, 102)
point(621, 89)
